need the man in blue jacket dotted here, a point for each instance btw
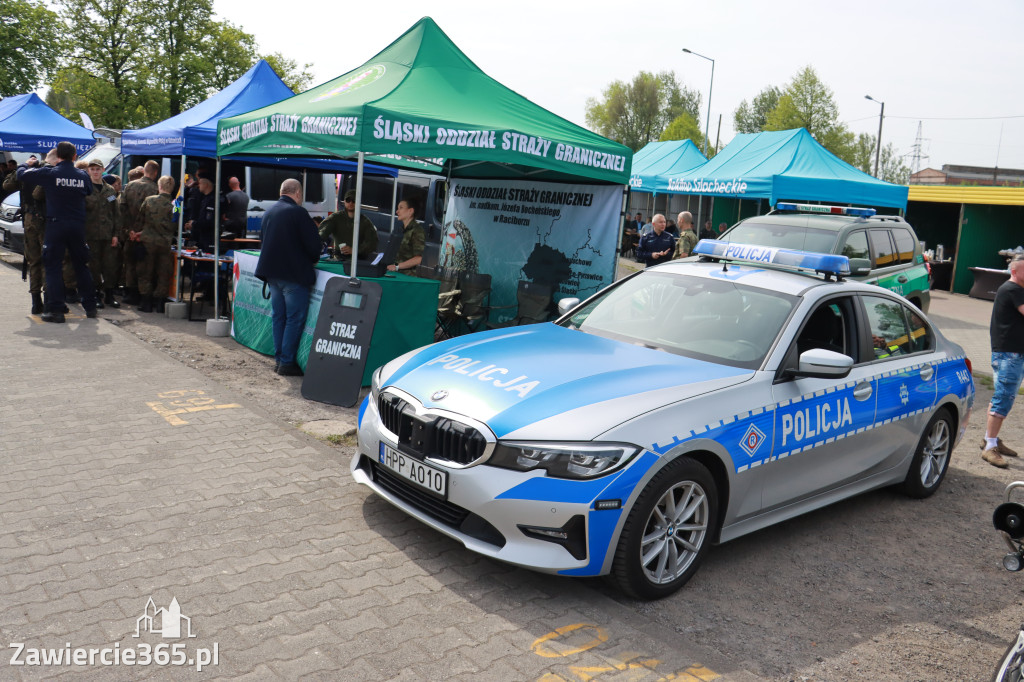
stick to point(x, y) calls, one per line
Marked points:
point(657, 245)
point(66, 188)
point(291, 247)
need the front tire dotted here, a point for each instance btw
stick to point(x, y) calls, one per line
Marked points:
point(931, 459)
point(668, 531)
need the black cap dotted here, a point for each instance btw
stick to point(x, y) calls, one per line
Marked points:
point(110, 178)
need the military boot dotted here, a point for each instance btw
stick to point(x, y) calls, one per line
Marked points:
point(53, 316)
point(131, 296)
point(99, 299)
point(147, 305)
point(159, 304)
point(37, 304)
point(108, 299)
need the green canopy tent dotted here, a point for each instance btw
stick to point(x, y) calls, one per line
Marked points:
point(422, 98)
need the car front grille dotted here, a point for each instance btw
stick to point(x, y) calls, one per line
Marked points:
point(451, 515)
point(439, 438)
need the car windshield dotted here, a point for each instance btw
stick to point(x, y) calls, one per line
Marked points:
point(13, 199)
point(782, 236)
point(704, 318)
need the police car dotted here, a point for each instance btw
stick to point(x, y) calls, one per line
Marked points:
point(689, 404)
point(883, 249)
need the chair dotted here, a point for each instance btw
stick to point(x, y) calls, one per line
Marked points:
point(533, 305)
point(474, 296)
point(447, 299)
point(201, 277)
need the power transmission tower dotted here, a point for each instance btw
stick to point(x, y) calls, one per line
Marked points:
point(916, 155)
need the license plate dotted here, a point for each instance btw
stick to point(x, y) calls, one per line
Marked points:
point(423, 475)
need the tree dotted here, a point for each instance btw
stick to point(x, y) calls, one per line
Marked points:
point(753, 117)
point(891, 167)
point(808, 103)
point(638, 112)
point(288, 69)
point(30, 45)
point(684, 127)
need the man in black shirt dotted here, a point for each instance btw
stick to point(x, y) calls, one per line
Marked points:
point(1007, 335)
point(236, 207)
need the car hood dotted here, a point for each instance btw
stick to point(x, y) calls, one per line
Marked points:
point(509, 379)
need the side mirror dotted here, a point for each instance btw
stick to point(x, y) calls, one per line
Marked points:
point(860, 267)
point(822, 364)
point(567, 304)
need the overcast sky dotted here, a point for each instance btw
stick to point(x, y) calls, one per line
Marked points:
point(954, 66)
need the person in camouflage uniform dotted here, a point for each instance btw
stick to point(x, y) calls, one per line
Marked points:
point(33, 209)
point(687, 237)
point(102, 216)
point(158, 231)
point(414, 237)
point(132, 197)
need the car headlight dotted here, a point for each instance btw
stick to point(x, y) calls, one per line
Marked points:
point(563, 460)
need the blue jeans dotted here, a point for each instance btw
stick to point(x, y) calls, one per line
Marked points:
point(289, 303)
point(1007, 372)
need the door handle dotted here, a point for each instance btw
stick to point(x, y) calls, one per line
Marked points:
point(927, 372)
point(863, 391)
point(902, 279)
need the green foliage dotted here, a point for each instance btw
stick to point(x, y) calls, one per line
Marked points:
point(684, 127)
point(753, 117)
point(637, 112)
point(891, 167)
point(808, 103)
point(298, 79)
point(30, 45)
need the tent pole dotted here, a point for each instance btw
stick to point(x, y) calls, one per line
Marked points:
point(180, 284)
point(216, 245)
point(622, 222)
point(394, 207)
point(358, 213)
point(303, 185)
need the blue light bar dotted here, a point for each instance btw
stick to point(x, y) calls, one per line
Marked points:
point(831, 210)
point(751, 253)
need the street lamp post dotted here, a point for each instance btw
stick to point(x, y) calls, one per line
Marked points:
point(881, 117)
point(707, 121)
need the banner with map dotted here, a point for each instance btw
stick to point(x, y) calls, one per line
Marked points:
point(561, 235)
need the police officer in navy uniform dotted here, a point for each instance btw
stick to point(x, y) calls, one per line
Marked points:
point(66, 188)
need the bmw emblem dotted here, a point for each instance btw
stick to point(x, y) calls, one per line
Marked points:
point(438, 396)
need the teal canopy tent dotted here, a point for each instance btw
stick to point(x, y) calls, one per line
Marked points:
point(785, 165)
point(655, 163)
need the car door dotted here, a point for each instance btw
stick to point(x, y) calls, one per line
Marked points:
point(822, 437)
point(904, 362)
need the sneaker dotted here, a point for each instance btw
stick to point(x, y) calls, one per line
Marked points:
point(289, 370)
point(993, 457)
point(1000, 448)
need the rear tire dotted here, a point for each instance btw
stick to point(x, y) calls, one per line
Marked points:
point(668, 531)
point(931, 459)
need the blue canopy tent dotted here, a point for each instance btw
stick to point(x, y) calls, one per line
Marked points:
point(27, 124)
point(653, 164)
point(193, 132)
point(785, 165)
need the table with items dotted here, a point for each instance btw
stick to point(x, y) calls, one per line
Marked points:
point(405, 319)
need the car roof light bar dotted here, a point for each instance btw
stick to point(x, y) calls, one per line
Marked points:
point(751, 253)
point(831, 210)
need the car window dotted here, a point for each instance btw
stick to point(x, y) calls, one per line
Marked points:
point(708, 319)
point(881, 248)
point(782, 236)
point(904, 245)
point(890, 334)
point(830, 326)
point(856, 245)
point(921, 336)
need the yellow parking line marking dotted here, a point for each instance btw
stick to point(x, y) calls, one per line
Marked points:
point(172, 408)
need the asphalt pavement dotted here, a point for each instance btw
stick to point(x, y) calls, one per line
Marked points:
point(147, 512)
point(150, 517)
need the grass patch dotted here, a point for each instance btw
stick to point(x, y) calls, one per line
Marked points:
point(348, 440)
